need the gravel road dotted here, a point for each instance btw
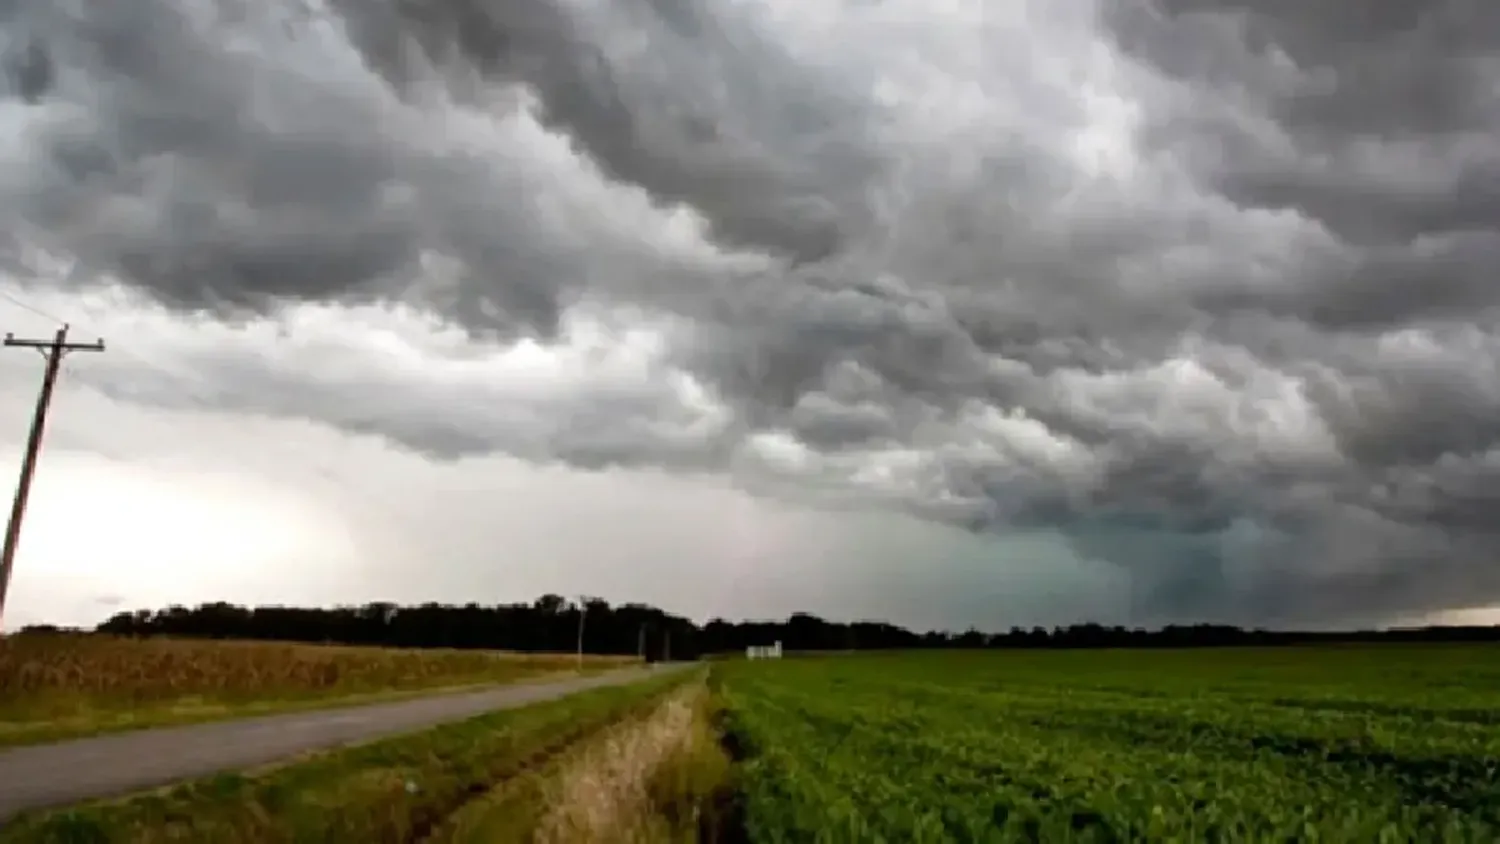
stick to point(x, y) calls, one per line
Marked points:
point(49, 775)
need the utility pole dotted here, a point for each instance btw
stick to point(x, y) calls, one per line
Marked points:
point(640, 644)
point(583, 609)
point(52, 351)
point(666, 648)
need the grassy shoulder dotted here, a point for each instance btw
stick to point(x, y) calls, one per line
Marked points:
point(400, 789)
point(58, 687)
point(658, 776)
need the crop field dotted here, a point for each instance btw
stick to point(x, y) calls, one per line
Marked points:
point(1381, 743)
point(1357, 743)
point(59, 686)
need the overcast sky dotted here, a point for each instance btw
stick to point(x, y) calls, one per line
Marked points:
point(951, 313)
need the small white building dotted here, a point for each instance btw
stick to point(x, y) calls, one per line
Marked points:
point(772, 651)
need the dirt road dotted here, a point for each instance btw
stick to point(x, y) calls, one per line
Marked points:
point(72, 771)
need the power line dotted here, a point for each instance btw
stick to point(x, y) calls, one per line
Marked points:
point(195, 393)
point(197, 396)
point(53, 351)
point(11, 298)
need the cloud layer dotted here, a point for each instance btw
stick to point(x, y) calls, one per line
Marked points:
point(1205, 287)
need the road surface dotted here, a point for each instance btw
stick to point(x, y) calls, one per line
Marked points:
point(52, 775)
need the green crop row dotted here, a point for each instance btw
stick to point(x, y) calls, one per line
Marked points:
point(1300, 745)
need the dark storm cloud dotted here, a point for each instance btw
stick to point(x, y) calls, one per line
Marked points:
point(219, 177)
point(1236, 336)
point(1377, 124)
point(1386, 112)
point(692, 137)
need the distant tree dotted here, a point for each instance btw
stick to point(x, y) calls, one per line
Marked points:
point(550, 624)
point(46, 630)
point(551, 604)
point(971, 638)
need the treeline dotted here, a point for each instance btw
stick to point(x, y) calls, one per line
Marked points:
point(551, 623)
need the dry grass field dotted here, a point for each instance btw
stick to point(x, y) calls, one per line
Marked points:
point(62, 686)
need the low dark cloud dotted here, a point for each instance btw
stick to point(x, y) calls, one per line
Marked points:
point(1204, 286)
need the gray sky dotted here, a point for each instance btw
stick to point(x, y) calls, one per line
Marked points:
point(950, 313)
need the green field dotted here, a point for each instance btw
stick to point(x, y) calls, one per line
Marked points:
point(1371, 743)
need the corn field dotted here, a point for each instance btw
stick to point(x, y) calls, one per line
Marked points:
point(84, 672)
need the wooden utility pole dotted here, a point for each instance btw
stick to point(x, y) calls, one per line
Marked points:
point(52, 351)
point(583, 610)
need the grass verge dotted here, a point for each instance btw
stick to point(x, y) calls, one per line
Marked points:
point(658, 776)
point(395, 790)
point(60, 687)
point(694, 795)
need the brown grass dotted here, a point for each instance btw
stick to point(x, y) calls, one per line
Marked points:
point(51, 686)
point(658, 777)
point(606, 790)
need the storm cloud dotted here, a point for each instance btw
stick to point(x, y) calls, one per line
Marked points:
point(1205, 287)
